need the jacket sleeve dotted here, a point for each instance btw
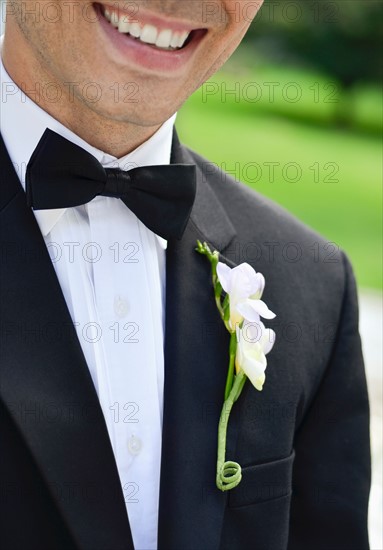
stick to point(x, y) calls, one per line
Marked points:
point(332, 473)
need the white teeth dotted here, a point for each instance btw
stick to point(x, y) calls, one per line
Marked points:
point(174, 40)
point(149, 34)
point(135, 30)
point(183, 38)
point(123, 25)
point(114, 19)
point(164, 38)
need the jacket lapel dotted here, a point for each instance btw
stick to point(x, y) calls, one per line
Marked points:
point(196, 359)
point(46, 384)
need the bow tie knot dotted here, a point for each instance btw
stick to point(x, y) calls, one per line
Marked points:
point(61, 174)
point(117, 183)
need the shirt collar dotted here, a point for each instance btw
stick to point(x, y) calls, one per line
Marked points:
point(23, 122)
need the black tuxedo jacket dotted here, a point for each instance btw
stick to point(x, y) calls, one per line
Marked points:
point(303, 441)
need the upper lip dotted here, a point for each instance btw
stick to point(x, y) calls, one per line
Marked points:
point(144, 17)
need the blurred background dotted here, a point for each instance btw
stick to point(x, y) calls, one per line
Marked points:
point(296, 114)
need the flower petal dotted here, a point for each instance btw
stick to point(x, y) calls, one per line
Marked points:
point(251, 333)
point(258, 287)
point(252, 309)
point(253, 367)
point(267, 340)
point(250, 355)
point(224, 276)
point(235, 317)
point(247, 270)
point(242, 281)
point(259, 383)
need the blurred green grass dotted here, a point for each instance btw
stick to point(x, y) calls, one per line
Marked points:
point(328, 177)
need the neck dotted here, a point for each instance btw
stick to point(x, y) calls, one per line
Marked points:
point(115, 137)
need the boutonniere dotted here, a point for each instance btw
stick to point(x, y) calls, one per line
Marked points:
point(238, 293)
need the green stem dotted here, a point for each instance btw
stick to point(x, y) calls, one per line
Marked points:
point(229, 473)
point(217, 295)
point(213, 257)
point(230, 374)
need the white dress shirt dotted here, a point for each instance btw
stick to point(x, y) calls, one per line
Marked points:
point(111, 269)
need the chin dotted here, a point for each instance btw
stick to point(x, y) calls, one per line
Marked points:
point(137, 114)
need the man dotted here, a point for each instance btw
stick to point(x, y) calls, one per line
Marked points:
point(114, 356)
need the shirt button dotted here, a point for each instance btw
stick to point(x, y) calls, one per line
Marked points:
point(134, 445)
point(121, 306)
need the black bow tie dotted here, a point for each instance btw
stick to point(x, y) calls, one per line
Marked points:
point(61, 174)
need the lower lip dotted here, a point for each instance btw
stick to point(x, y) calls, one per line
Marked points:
point(147, 56)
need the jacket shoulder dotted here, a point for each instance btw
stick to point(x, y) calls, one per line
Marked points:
point(249, 209)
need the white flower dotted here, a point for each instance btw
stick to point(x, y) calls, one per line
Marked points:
point(254, 342)
point(244, 287)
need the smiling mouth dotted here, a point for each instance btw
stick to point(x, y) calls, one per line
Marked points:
point(164, 38)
